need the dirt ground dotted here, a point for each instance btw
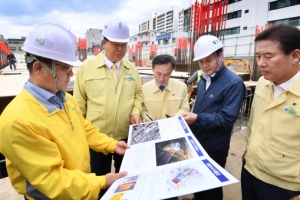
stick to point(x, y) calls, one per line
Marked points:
point(233, 165)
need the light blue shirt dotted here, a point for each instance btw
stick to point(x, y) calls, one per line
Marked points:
point(56, 100)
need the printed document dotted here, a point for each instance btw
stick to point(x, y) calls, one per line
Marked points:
point(165, 160)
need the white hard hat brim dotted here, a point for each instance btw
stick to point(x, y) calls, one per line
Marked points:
point(117, 40)
point(77, 63)
point(200, 57)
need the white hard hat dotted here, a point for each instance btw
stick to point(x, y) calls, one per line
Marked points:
point(206, 45)
point(53, 42)
point(116, 30)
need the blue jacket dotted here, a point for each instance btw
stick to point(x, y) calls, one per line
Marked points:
point(217, 109)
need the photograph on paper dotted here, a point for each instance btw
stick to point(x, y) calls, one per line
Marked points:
point(130, 179)
point(145, 132)
point(171, 151)
point(125, 186)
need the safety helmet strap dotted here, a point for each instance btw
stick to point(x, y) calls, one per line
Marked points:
point(51, 71)
point(218, 61)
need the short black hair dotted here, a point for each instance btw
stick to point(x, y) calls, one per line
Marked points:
point(38, 58)
point(288, 37)
point(163, 59)
point(219, 51)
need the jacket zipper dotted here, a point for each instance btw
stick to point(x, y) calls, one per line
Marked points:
point(204, 94)
point(68, 117)
point(116, 87)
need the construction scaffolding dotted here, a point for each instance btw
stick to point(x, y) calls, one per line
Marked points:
point(205, 18)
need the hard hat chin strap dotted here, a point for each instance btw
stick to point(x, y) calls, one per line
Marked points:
point(218, 61)
point(53, 73)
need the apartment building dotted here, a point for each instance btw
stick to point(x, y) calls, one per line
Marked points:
point(94, 37)
point(164, 22)
point(161, 29)
point(15, 44)
point(185, 19)
point(244, 16)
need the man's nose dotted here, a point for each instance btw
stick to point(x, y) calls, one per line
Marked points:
point(119, 48)
point(261, 62)
point(71, 73)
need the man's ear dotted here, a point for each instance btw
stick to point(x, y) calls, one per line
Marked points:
point(221, 54)
point(295, 57)
point(104, 42)
point(37, 67)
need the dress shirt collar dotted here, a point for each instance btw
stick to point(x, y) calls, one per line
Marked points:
point(54, 99)
point(206, 77)
point(42, 92)
point(109, 63)
point(290, 82)
point(278, 89)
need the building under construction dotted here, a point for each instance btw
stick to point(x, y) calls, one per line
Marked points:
point(234, 22)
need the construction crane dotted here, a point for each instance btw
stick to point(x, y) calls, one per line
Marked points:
point(238, 62)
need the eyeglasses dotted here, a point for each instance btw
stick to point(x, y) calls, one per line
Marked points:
point(66, 68)
point(43, 61)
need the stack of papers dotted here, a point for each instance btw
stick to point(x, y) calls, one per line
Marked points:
point(166, 160)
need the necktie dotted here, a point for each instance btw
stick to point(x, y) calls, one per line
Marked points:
point(115, 74)
point(162, 88)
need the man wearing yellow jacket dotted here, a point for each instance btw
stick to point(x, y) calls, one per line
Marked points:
point(108, 91)
point(163, 95)
point(272, 162)
point(43, 135)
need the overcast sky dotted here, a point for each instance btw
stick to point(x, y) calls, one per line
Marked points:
point(18, 17)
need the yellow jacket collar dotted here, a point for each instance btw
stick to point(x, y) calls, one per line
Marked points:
point(293, 88)
point(155, 89)
point(101, 61)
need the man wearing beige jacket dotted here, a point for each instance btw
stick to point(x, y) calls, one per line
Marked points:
point(272, 159)
point(164, 96)
point(108, 91)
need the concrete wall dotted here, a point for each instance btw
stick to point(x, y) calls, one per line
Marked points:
point(283, 13)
